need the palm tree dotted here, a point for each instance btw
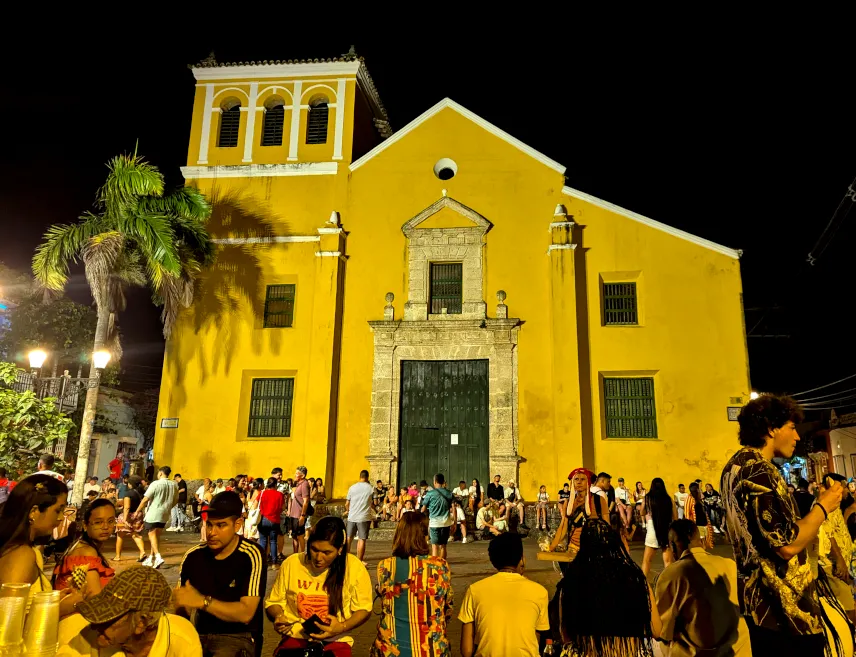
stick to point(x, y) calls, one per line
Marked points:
point(137, 235)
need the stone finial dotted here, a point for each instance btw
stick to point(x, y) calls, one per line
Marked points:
point(389, 309)
point(501, 308)
point(560, 211)
point(334, 219)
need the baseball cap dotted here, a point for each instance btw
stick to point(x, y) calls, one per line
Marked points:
point(226, 505)
point(139, 588)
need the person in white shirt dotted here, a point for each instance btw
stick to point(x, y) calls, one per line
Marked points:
point(161, 496)
point(46, 464)
point(462, 499)
point(359, 509)
point(624, 502)
point(681, 500)
point(92, 484)
point(485, 521)
point(514, 500)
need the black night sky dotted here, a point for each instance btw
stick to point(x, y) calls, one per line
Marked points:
point(745, 142)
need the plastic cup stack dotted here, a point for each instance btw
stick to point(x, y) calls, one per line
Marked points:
point(13, 606)
point(42, 627)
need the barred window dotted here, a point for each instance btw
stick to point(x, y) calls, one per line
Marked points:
point(619, 304)
point(230, 123)
point(446, 287)
point(316, 122)
point(279, 306)
point(270, 408)
point(273, 121)
point(629, 405)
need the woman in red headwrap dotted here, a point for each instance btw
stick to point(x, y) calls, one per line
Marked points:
point(579, 509)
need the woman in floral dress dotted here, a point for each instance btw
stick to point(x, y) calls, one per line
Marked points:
point(416, 596)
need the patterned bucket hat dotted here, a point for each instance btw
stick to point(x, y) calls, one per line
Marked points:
point(137, 589)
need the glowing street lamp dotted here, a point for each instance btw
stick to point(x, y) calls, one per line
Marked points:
point(100, 359)
point(754, 395)
point(37, 359)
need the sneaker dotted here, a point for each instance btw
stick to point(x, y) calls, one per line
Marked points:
point(141, 559)
point(158, 562)
point(464, 540)
point(147, 561)
point(172, 529)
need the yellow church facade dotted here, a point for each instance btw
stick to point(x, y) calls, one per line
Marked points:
point(433, 299)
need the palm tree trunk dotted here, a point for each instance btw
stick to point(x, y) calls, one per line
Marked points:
point(88, 422)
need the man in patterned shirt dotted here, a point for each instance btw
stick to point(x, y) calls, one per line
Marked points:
point(779, 594)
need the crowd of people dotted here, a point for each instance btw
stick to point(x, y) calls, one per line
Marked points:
point(788, 591)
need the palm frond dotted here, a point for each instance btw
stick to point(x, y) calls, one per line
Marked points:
point(100, 255)
point(127, 270)
point(130, 177)
point(153, 235)
point(184, 202)
point(61, 247)
point(194, 236)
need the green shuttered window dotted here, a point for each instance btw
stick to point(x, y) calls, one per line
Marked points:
point(279, 306)
point(270, 408)
point(446, 287)
point(272, 127)
point(619, 304)
point(230, 124)
point(316, 123)
point(630, 411)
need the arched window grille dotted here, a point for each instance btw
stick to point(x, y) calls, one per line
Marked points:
point(230, 123)
point(273, 122)
point(316, 123)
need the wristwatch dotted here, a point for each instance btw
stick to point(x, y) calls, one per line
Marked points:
point(206, 602)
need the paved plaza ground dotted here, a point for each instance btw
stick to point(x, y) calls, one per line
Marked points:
point(468, 563)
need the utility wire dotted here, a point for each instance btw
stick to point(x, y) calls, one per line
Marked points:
point(821, 245)
point(805, 392)
point(831, 394)
point(833, 225)
point(827, 401)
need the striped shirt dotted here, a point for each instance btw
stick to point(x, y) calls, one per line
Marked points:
point(242, 574)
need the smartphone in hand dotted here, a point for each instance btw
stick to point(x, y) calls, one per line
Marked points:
point(310, 625)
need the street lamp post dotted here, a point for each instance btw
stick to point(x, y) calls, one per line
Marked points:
point(99, 362)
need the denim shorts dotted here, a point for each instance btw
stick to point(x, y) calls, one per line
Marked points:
point(439, 535)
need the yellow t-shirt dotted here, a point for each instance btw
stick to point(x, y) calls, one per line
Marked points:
point(506, 608)
point(176, 637)
point(301, 594)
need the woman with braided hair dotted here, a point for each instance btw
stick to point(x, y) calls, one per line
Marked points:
point(582, 506)
point(604, 565)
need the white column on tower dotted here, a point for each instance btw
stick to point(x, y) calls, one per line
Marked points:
point(340, 119)
point(250, 137)
point(295, 120)
point(206, 125)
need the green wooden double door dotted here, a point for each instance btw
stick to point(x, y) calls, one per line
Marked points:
point(444, 421)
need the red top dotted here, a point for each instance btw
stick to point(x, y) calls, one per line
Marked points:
point(65, 568)
point(115, 469)
point(271, 504)
point(5, 482)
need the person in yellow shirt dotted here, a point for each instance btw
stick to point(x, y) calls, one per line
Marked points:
point(326, 582)
point(128, 617)
point(494, 626)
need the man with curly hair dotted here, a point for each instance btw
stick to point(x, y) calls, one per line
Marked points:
point(786, 605)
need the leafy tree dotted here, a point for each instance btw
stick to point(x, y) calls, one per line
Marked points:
point(138, 234)
point(28, 425)
point(64, 328)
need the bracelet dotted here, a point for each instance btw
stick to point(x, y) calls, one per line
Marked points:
point(825, 514)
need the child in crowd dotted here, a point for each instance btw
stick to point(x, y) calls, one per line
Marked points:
point(541, 508)
point(413, 491)
point(564, 496)
point(408, 507)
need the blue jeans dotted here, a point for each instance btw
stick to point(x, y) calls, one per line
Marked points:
point(268, 531)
